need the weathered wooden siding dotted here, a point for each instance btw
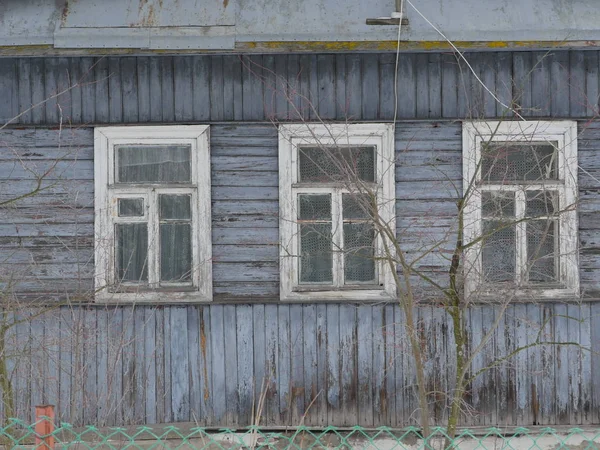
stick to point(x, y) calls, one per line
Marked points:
point(282, 87)
point(206, 364)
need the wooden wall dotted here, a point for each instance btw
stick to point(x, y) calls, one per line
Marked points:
point(206, 363)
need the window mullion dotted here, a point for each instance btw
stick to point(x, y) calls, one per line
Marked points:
point(337, 237)
point(153, 242)
point(521, 276)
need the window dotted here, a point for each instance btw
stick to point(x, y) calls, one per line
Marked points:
point(335, 183)
point(152, 209)
point(520, 220)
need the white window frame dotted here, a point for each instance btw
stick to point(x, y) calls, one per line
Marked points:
point(107, 191)
point(381, 136)
point(565, 134)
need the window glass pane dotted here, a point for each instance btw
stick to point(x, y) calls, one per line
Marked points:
point(314, 207)
point(357, 206)
point(175, 252)
point(316, 259)
point(498, 252)
point(132, 252)
point(541, 203)
point(131, 207)
point(175, 207)
point(542, 251)
point(153, 163)
point(335, 164)
point(359, 253)
point(498, 204)
point(518, 162)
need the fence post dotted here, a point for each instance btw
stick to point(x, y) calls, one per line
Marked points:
point(44, 427)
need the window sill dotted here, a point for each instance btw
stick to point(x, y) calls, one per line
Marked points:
point(162, 296)
point(358, 294)
point(502, 293)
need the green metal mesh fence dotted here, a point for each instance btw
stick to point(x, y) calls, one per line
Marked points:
point(18, 434)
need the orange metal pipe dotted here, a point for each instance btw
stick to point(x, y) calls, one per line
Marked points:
point(44, 427)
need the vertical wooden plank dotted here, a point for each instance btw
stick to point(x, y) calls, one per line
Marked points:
point(379, 368)
point(206, 397)
point(293, 83)
point(9, 108)
point(102, 90)
point(559, 84)
point(477, 89)
point(297, 359)
point(284, 365)
point(387, 67)
point(38, 366)
point(540, 84)
point(259, 360)
point(194, 358)
point(591, 83)
point(217, 78)
point(321, 368)
point(102, 358)
point(522, 82)
point(272, 364)
point(180, 388)
point(585, 339)
point(231, 373)
point(38, 94)
point(353, 86)
point(310, 364)
point(88, 91)
point(116, 342)
point(577, 95)
point(283, 88)
point(407, 87)
point(201, 87)
point(80, 372)
point(449, 85)
point(364, 362)
point(129, 79)
point(52, 336)
point(65, 363)
point(155, 75)
point(389, 400)
point(313, 86)
point(245, 371)
point(370, 80)
point(335, 413)
point(143, 89)
point(167, 89)
point(236, 101)
point(139, 403)
point(90, 337)
point(595, 359)
point(24, 89)
point(115, 98)
point(534, 364)
point(548, 361)
point(488, 76)
point(449, 360)
point(523, 376)
point(169, 360)
point(465, 94)
point(149, 367)
point(218, 374)
point(182, 80)
point(574, 363)
point(252, 87)
point(304, 68)
point(440, 368)
point(326, 86)
point(563, 386)
point(478, 387)
point(349, 375)
point(22, 380)
point(341, 97)
point(404, 381)
point(129, 369)
point(64, 85)
point(504, 74)
point(270, 90)
point(434, 80)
